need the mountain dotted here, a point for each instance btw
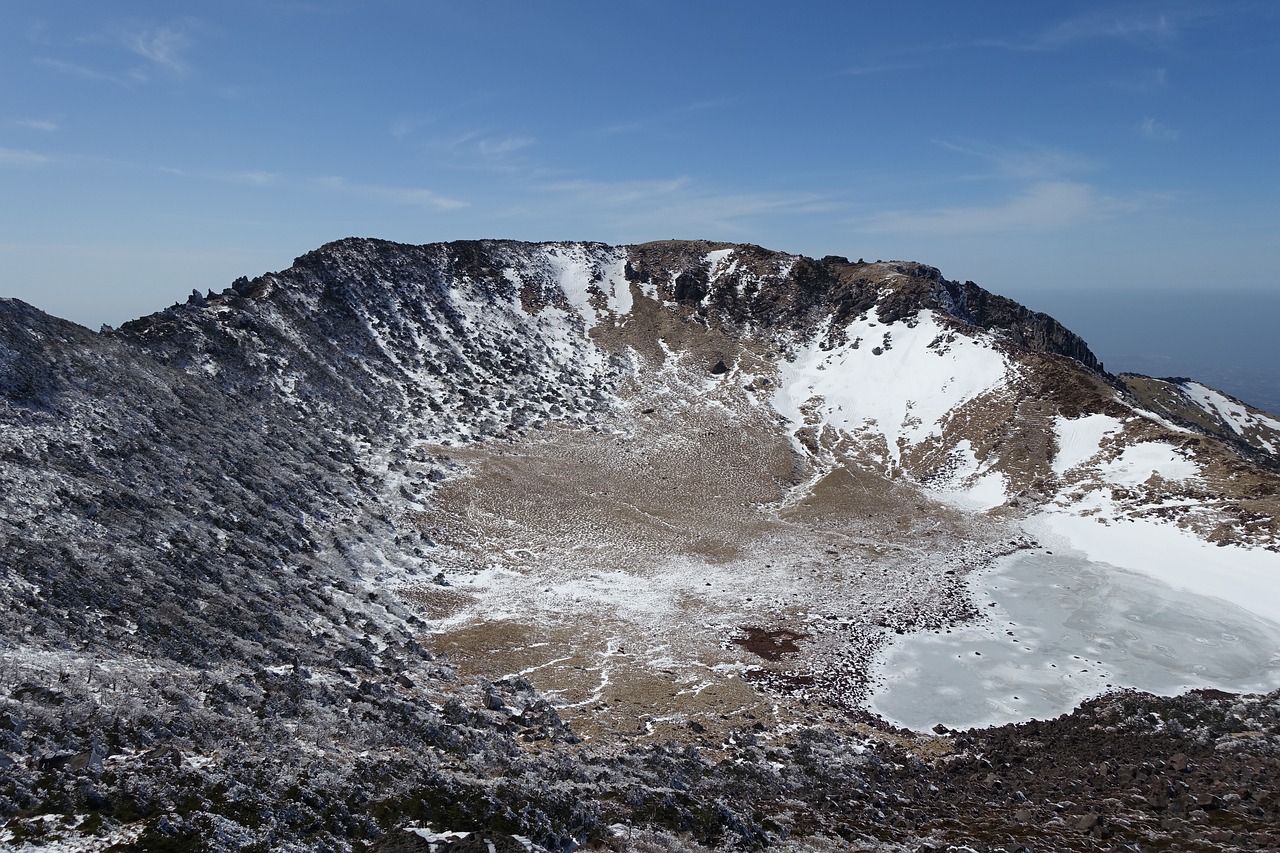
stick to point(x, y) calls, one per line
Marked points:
point(577, 544)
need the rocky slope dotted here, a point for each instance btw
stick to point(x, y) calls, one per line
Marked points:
point(570, 543)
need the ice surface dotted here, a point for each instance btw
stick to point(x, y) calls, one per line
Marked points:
point(1247, 577)
point(1062, 629)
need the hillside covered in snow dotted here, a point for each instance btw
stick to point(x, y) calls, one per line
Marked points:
point(568, 543)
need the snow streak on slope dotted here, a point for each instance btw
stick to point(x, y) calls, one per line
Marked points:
point(893, 382)
point(1233, 413)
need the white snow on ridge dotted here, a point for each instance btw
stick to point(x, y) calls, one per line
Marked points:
point(1080, 439)
point(1235, 414)
point(715, 260)
point(578, 272)
point(617, 289)
point(572, 271)
point(902, 393)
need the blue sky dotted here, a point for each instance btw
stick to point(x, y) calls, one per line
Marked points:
point(147, 149)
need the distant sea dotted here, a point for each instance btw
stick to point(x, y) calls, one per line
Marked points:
point(1227, 339)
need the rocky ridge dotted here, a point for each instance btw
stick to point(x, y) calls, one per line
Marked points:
point(239, 535)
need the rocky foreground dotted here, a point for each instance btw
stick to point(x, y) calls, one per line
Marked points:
point(495, 764)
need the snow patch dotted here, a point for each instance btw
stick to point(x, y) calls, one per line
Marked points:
point(1080, 439)
point(1138, 462)
point(967, 486)
point(980, 494)
point(893, 380)
point(715, 260)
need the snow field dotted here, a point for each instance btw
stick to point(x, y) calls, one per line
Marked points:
point(895, 381)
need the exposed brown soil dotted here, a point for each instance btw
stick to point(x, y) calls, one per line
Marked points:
point(770, 645)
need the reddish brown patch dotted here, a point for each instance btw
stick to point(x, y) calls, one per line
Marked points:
point(770, 645)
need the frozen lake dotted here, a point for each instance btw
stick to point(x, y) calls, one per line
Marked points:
point(1057, 629)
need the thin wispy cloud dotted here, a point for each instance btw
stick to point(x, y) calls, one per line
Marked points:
point(679, 204)
point(403, 128)
point(655, 121)
point(505, 146)
point(467, 139)
point(38, 33)
point(408, 196)
point(622, 128)
point(1045, 206)
point(1029, 163)
point(1148, 29)
point(37, 124)
point(877, 68)
point(164, 46)
point(484, 149)
point(618, 193)
point(251, 178)
point(162, 49)
point(130, 77)
point(1157, 131)
point(16, 157)
point(710, 104)
point(1143, 82)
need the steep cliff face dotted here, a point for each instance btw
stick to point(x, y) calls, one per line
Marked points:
point(689, 489)
point(750, 288)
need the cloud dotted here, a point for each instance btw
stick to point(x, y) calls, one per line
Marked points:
point(1109, 24)
point(622, 128)
point(14, 157)
point(71, 69)
point(1157, 131)
point(883, 68)
point(710, 104)
point(503, 147)
point(402, 128)
point(1152, 30)
point(677, 205)
point(410, 196)
point(163, 46)
point(251, 178)
point(1149, 80)
point(37, 124)
point(1044, 206)
point(1031, 163)
point(482, 148)
point(618, 193)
